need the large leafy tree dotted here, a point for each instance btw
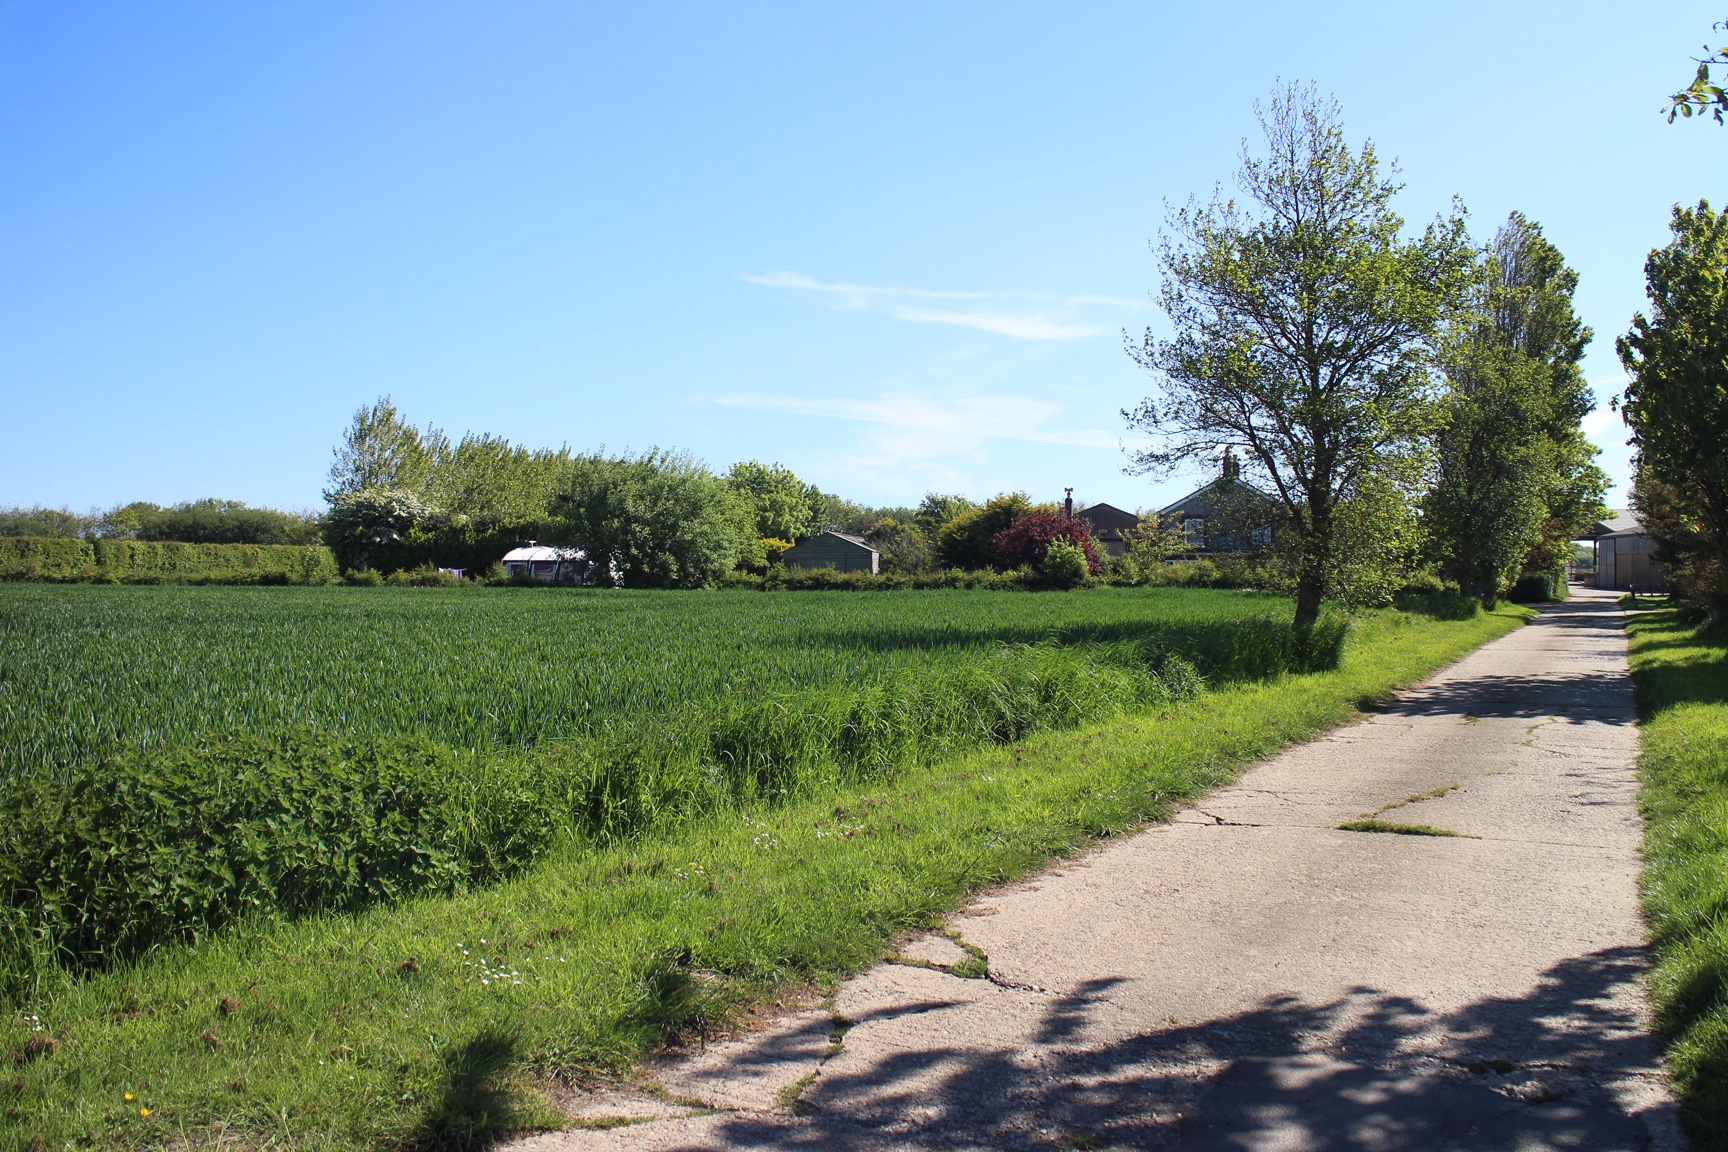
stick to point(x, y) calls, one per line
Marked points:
point(1677, 403)
point(1303, 327)
point(361, 523)
point(490, 480)
point(661, 519)
point(1515, 479)
point(784, 506)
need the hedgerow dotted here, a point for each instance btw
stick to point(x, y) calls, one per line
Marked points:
point(102, 561)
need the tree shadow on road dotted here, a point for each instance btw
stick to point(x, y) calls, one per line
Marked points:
point(1518, 1072)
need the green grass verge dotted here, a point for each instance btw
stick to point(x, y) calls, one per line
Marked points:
point(1681, 677)
point(439, 1021)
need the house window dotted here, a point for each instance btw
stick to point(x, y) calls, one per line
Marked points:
point(1194, 531)
point(1263, 536)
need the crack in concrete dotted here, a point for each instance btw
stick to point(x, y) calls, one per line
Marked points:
point(1220, 822)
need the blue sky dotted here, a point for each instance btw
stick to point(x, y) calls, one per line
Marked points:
point(892, 247)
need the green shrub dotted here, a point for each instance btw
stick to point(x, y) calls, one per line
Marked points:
point(1538, 588)
point(1064, 565)
point(143, 849)
point(1446, 604)
point(425, 576)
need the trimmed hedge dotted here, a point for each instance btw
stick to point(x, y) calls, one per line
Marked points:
point(1539, 588)
point(69, 561)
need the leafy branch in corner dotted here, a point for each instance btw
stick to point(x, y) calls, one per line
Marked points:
point(1703, 94)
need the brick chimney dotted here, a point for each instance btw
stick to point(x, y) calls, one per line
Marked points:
point(1068, 503)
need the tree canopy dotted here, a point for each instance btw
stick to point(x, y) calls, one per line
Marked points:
point(1704, 94)
point(661, 519)
point(784, 507)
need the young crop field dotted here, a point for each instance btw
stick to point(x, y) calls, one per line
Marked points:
point(87, 670)
point(177, 759)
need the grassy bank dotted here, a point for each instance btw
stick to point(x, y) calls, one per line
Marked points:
point(441, 1018)
point(1681, 677)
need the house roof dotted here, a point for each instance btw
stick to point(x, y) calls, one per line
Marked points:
point(1637, 529)
point(1200, 501)
point(541, 553)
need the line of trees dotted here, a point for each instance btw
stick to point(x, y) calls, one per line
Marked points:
point(1406, 400)
point(659, 519)
point(209, 521)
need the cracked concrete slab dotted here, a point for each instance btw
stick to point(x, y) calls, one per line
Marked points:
point(1249, 976)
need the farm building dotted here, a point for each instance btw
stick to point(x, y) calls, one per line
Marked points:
point(539, 561)
point(1227, 515)
point(836, 550)
point(1108, 525)
point(1626, 556)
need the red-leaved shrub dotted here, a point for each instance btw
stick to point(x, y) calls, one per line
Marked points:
point(1024, 542)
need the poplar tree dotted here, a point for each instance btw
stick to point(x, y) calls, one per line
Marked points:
point(1677, 404)
point(1515, 478)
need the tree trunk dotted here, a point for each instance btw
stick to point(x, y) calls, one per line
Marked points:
point(1310, 585)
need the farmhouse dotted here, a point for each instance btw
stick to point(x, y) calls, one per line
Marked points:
point(1626, 555)
point(834, 549)
point(541, 562)
point(1227, 515)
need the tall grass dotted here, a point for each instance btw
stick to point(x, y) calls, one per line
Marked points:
point(145, 848)
point(1681, 675)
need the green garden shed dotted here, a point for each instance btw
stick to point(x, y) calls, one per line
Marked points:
point(836, 550)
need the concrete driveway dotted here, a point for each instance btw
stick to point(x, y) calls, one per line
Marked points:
point(1249, 976)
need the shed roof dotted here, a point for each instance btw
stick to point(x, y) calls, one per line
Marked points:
point(846, 536)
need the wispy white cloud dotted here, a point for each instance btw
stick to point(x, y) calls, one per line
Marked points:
point(1039, 315)
point(1603, 419)
point(1020, 327)
point(929, 439)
